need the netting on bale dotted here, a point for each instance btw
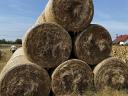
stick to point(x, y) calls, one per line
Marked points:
point(111, 73)
point(47, 44)
point(72, 77)
point(73, 15)
point(23, 78)
point(93, 45)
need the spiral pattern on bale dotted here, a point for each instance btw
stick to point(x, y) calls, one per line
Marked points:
point(111, 73)
point(47, 44)
point(73, 15)
point(23, 78)
point(72, 76)
point(93, 45)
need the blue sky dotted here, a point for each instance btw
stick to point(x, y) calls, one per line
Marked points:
point(16, 16)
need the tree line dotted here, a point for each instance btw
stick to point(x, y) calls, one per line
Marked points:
point(4, 41)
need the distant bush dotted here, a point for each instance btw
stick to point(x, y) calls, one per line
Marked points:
point(18, 41)
point(4, 41)
point(126, 44)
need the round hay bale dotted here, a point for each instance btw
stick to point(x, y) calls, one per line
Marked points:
point(47, 44)
point(41, 19)
point(93, 45)
point(23, 78)
point(73, 15)
point(72, 76)
point(111, 73)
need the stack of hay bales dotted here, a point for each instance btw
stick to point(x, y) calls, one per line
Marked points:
point(63, 42)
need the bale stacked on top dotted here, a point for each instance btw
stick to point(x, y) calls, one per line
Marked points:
point(111, 72)
point(93, 45)
point(23, 78)
point(47, 44)
point(72, 77)
point(73, 15)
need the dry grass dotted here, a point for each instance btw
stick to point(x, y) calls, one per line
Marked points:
point(6, 54)
point(110, 92)
point(120, 52)
point(106, 92)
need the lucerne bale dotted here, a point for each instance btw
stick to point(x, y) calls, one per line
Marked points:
point(47, 44)
point(93, 45)
point(20, 77)
point(73, 15)
point(72, 77)
point(111, 73)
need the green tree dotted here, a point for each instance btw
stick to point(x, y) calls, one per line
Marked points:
point(18, 41)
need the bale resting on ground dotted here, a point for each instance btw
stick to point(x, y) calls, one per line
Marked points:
point(111, 73)
point(72, 76)
point(23, 78)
